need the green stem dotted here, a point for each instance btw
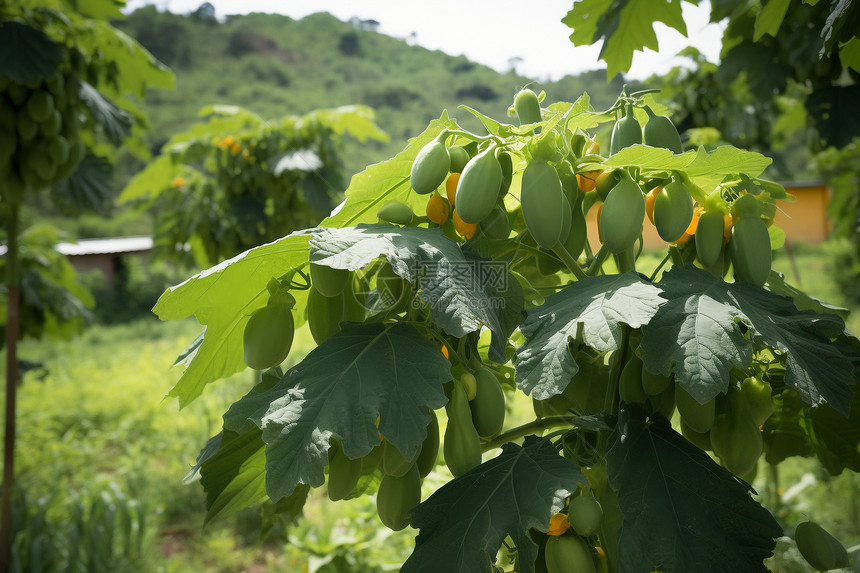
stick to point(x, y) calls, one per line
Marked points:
point(12, 309)
point(532, 427)
point(626, 261)
point(568, 260)
point(598, 261)
point(660, 266)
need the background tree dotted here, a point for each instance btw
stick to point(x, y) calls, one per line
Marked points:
point(234, 180)
point(68, 81)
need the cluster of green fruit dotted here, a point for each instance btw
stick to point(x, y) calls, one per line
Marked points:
point(40, 131)
point(571, 542)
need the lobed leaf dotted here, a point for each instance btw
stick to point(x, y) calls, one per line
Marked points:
point(681, 509)
point(463, 523)
point(598, 305)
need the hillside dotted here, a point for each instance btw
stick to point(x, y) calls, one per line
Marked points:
point(276, 65)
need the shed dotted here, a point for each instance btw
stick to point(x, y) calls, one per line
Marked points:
point(104, 254)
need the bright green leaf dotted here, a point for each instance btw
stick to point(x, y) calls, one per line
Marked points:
point(770, 18)
point(223, 298)
point(681, 509)
point(338, 390)
point(463, 523)
point(598, 305)
point(849, 54)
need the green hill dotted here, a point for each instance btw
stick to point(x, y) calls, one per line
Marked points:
point(275, 65)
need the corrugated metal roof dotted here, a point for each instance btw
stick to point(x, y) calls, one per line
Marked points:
point(106, 246)
point(102, 246)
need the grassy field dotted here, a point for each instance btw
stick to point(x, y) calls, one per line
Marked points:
point(101, 449)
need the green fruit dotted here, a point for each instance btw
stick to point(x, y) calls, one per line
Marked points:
point(469, 384)
point(578, 234)
point(397, 496)
point(654, 384)
point(8, 144)
point(820, 549)
point(395, 212)
point(527, 107)
point(462, 445)
point(585, 515)
point(568, 554)
point(40, 105)
point(393, 290)
point(659, 131)
point(630, 382)
point(355, 300)
point(39, 161)
point(605, 182)
point(736, 439)
point(58, 149)
point(459, 157)
point(756, 396)
point(673, 211)
point(324, 315)
point(565, 220)
point(664, 403)
point(429, 448)
point(568, 180)
point(496, 225)
point(51, 127)
point(626, 132)
point(542, 202)
point(622, 215)
point(507, 171)
point(750, 250)
point(488, 407)
point(268, 336)
point(329, 281)
point(27, 128)
point(430, 167)
point(394, 462)
point(701, 440)
point(7, 114)
point(709, 238)
point(478, 187)
point(699, 417)
point(343, 472)
point(18, 94)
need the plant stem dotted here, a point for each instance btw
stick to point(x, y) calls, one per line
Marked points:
point(597, 263)
point(12, 293)
point(660, 266)
point(526, 429)
point(568, 260)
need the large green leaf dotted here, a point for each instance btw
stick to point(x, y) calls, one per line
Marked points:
point(832, 110)
point(99, 9)
point(597, 305)
point(234, 476)
point(835, 439)
point(27, 55)
point(770, 18)
point(624, 26)
point(339, 389)
point(464, 293)
point(223, 298)
point(115, 122)
point(464, 522)
point(681, 509)
point(700, 335)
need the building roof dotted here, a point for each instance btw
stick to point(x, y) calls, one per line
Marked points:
point(113, 245)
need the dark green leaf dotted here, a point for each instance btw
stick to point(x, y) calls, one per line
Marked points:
point(842, 23)
point(681, 509)
point(234, 476)
point(464, 522)
point(87, 188)
point(835, 438)
point(27, 55)
point(698, 335)
point(115, 122)
point(833, 111)
point(597, 305)
point(464, 293)
point(339, 389)
point(776, 283)
point(763, 64)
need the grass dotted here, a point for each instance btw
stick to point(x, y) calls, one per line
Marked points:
point(94, 424)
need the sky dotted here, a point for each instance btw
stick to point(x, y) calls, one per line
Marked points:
point(490, 32)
